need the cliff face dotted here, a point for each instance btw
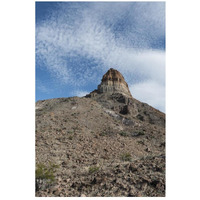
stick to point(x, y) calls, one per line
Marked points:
point(113, 82)
point(113, 94)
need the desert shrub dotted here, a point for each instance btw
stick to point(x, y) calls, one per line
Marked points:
point(70, 132)
point(126, 157)
point(103, 134)
point(70, 137)
point(93, 169)
point(123, 134)
point(44, 175)
point(107, 132)
point(140, 133)
point(140, 142)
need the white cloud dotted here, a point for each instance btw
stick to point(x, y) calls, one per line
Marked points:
point(80, 93)
point(71, 34)
point(93, 41)
point(88, 35)
point(42, 87)
point(150, 92)
point(146, 64)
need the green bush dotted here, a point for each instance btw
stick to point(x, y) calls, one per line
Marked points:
point(93, 169)
point(70, 137)
point(140, 133)
point(42, 172)
point(103, 134)
point(44, 175)
point(45, 172)
point(123, 134)
point(126, 157)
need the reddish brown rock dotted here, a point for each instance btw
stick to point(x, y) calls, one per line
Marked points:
point(113, 82)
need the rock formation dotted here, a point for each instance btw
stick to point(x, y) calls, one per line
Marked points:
point(113, 94)
point(107, 144)
point(112, 82)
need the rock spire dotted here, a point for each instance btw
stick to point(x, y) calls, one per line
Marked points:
point(113, 82)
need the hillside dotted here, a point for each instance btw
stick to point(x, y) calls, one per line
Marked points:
point(104, 144)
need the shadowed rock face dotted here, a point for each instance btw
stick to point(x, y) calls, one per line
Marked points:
point(113, 82)
point(113, 94)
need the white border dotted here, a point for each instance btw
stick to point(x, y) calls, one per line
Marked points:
point(18, 99)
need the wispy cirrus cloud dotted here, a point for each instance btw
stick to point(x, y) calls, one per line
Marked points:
point(40, 86)
point(78, 42)
point(151, 92)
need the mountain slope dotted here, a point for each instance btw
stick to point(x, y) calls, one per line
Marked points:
point(105, 144)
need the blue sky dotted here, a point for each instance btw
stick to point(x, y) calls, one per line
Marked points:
point(76, 43)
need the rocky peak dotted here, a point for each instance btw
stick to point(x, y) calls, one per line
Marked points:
point(113, 82)
point(114, 76)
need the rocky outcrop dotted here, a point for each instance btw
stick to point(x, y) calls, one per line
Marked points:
point(112, 82)
point(113, 94)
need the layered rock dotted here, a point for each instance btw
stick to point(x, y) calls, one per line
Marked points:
point(112, 82)
point(113, 94)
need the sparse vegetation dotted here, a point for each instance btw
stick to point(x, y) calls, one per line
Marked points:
point(70, 137)
point(140, 142)
point(106, 132)
point(44, 174)
point(103, 134)
point(140, 133)
point(126, 157)
point(123, 134)
point(70, 132)
point(93, 169)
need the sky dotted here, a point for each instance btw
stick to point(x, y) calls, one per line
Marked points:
point(77, 42)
